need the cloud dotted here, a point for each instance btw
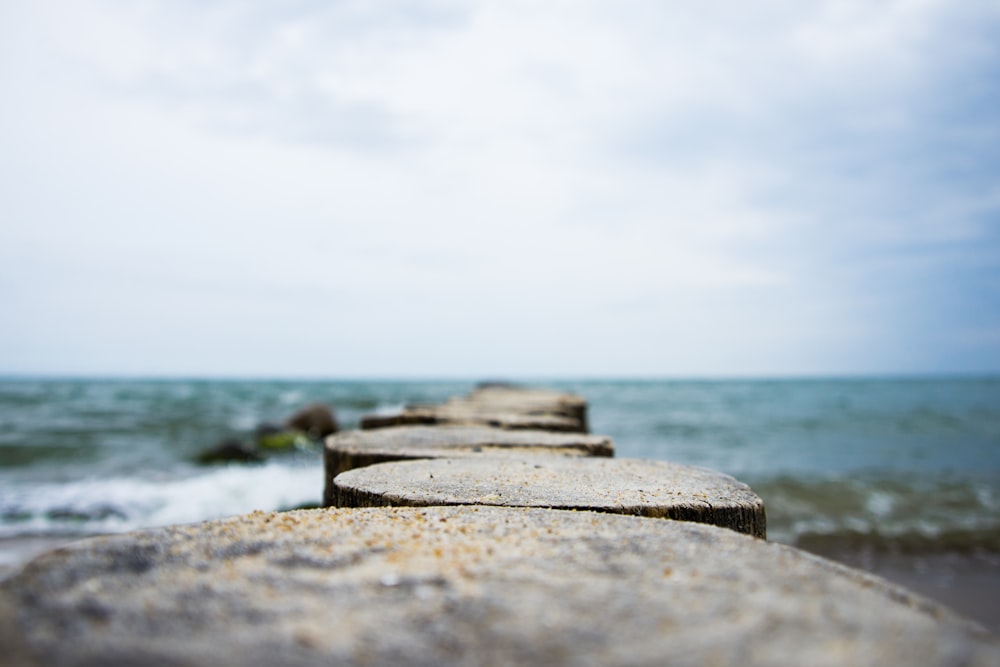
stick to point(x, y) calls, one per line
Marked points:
point(782, 187)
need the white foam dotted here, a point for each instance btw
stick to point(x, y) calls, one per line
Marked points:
point(127, 503)
point(880, 504)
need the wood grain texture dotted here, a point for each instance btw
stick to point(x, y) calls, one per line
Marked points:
point(622, 486)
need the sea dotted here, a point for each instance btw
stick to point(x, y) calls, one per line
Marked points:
point(900, 476)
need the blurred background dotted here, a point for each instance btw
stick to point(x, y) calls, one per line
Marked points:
point(763, 238)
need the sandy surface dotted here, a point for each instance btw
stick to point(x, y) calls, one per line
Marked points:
point(465, 585)
point(968, 584)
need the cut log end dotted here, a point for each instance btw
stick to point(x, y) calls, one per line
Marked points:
point(620, 486)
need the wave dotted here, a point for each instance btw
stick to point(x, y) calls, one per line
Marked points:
point(884, 514)
point(119, 504)
point(952, 541)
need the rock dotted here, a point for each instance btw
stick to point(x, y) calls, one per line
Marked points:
point(464, 586)
point(353, 449)
point(621, 486)
point(316, 421)
point(229, 451)
point(499, 406)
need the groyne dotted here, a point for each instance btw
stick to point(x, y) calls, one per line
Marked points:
point(356, 449)
point(473, 539)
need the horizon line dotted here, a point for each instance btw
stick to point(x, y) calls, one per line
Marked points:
point(493, 377)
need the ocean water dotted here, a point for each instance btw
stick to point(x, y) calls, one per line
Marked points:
point(904, 465)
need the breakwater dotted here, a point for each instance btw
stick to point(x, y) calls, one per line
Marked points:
point(486, 580)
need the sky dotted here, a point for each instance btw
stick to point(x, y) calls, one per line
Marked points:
point(499, 188)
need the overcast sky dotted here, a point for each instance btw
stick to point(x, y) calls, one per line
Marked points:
point(502, 189)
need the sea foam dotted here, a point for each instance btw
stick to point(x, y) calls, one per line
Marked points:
point(118, 504)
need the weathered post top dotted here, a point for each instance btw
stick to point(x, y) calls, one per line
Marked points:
point(464, 586)
point(354, 449)
point(508, 407)
point(622, 486)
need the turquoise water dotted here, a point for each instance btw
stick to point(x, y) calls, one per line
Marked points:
point(910, 464)
point(902, 464)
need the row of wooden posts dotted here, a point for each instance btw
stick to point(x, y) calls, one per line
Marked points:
point(518, 447)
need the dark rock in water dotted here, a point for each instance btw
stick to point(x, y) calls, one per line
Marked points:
point(316, 421)
point(229, 451)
